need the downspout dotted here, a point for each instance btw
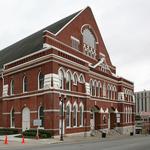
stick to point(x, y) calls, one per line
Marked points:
point(2, 75)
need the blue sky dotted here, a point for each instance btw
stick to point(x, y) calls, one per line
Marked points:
point(124, 25)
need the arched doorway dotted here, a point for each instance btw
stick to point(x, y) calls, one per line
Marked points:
point(95, 118)
point(112, 118)
point(25, 119)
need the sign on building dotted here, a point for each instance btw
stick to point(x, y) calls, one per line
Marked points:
point(37, 122)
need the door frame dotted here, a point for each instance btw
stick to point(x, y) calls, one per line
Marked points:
point(25, 123)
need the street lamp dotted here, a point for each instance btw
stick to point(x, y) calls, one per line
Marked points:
point(61, 99)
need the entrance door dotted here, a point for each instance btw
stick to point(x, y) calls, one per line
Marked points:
point(25, 119)
point(92, 121)
point(112, 120)
point(97, 120)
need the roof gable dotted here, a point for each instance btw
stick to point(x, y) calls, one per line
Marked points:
point(84, 20)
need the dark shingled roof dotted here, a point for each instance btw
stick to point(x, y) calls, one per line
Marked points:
point(31, 43)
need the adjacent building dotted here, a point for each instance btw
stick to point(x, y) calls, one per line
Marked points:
point(63, 75)
point(142, 99)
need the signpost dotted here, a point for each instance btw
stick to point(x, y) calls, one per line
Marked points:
point(38, 123)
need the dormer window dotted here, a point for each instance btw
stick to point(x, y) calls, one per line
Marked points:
point(75, 42)
point(89, 43)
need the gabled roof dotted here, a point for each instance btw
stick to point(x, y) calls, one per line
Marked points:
point(31, 43)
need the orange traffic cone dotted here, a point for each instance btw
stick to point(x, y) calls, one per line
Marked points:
point(6, 140)
point(23, 139)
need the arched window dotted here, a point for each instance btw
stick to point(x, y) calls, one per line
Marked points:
point(89, 39)
point(111, 92)
point(61, 78)
point(94, 88)
point(75, 79)
point(127, 95)
point(41, 115)
point(25, 84)
point(81, 78)
point(99, 89)
point(108, 92)
point(91, 87)
point(12, 118)
point(40, 81)
point(12, 87)
point(89, 43)
point(130, 95)
point(68, 115)
point(75, 110)
point(68, 81)
point(115, 93)
point(104, 89)
point(81, 109)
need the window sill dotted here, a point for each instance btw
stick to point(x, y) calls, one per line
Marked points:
point(41, 128)
point(40, 89)
point(75, 84)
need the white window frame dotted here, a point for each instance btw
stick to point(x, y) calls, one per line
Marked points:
point(61, 73)
point(95, 88)
point(81, 117)
point(42, 126)
point(24, 85)
point(68, 105)
point(76, 115)
point(75, 79)
point(104, 89)
point(75, 43)
point(89, 38)
point(12, 87)
point(39, 81)
point(91, 87)
point(81, 78)
point(68, 74)
point(99, 89)
point(108, 91)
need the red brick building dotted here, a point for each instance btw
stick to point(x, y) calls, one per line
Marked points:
point(65, 61)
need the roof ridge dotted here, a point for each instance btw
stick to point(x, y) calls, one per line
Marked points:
point(77, 13)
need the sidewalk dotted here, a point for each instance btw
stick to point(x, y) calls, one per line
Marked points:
point(14, 141)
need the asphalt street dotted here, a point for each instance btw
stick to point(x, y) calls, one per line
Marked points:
point(127, 143)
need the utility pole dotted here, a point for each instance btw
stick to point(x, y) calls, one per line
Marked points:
point(62, 98)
